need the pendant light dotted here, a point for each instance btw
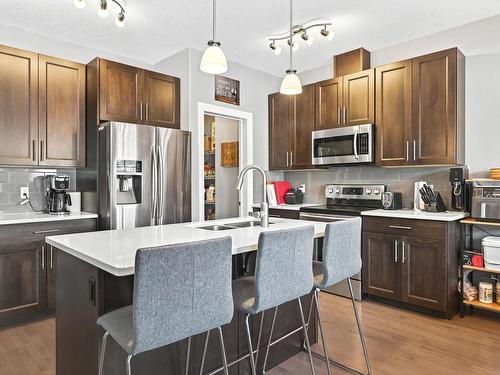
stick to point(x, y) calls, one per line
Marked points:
point(291, 83)
point(213, 60)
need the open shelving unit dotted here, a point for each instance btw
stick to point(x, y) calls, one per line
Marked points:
point(209, 180)
point(469, 224)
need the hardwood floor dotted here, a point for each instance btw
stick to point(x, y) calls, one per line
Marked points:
point(399, 342)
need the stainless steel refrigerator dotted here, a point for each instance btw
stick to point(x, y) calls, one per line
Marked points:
point(144, 175)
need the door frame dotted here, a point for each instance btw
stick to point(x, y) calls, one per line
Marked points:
point(245, 129)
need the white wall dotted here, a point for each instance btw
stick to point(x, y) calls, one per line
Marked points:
point(480, 43)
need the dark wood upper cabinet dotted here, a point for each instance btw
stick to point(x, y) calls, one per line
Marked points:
point(358, 98)
point(329, 104)
point(438, 108)
point(119, 92)
point(291, 122)
point(394, 113)
point(121, 89)
point(381, 270)
point(61, 112)
point(281, 118)
point(161, 97)
point(303, 128)
point(18, 107)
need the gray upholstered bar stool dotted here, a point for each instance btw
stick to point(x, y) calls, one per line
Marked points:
point(341, 261)
point(283, 274)
point(179, 291)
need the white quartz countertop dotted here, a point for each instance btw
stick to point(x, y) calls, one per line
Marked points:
point(420, 215)
point(37, 217)
point(114, 250)
point(293, 207)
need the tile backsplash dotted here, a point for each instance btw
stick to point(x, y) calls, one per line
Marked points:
point(12, 179)
point(396, 179)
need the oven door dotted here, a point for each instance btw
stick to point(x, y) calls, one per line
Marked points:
point(341, 288)
point(348, 145)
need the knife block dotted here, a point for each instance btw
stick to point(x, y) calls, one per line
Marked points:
point(437, 206)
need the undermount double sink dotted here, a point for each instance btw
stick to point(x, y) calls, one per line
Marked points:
point(238, 225)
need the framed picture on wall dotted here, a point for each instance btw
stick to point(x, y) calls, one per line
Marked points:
point(229, 154)
point(227, 90)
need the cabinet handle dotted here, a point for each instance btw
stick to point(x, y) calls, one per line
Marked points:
point(51, 263)
point(140, 110)
point(345, 114)
point(92, 294)
point(403, 252)
point(274, 215)
point(407, 150)
point(291, 158)
point(287, 158)
point(33, 147)
point(414, 150)
point(396, 245)
point(46, 231)
point(147, 111)
point(399, 227)
point(339, 116)
point(43, 257)
point(41, 150)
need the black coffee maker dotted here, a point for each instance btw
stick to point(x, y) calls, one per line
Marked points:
point(58, 198)
point(458, 175)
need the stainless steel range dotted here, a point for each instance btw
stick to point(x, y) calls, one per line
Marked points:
point(344, 202)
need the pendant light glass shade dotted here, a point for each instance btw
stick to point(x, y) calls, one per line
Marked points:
point(291, 84)
point(213, 60)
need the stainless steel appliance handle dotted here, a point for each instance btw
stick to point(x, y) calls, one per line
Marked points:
point(403, 252)
point(339, 116)
point(414, 150)
point(356, 156)
point(324, 217)
point(407, 150)
point(43, 257)
point(396, 245)
point(162, 186)
point(399, 227)
point(153, 185)
point(46, 231)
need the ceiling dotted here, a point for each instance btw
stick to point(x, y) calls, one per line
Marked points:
point(156, 29)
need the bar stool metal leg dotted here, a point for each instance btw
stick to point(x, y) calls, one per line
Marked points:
point(304, 326)
point(250, 349)
point(204, 353)
point(223, 350)
point(103, 351)
point(322, 332)
point(360, 328)
point(129, 359)
point(269, 340)
point(188, 353)
point(260, 335)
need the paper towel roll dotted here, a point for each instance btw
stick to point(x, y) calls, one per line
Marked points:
point(76, 201)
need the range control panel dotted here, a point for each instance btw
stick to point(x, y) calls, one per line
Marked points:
point(372, 192)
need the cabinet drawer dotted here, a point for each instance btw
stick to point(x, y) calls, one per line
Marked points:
point(405, 227)
point(14, 234)
point(285, 214)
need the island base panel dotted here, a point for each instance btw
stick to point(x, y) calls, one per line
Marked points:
point(85, 292)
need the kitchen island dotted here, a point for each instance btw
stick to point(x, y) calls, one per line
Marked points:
point(95, 275)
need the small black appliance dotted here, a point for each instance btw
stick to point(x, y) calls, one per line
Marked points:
point(294, 196)
point(458, 175)
point(57, 199)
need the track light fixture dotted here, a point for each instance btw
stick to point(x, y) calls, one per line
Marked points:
point(103, 10)
point(275, 48)
point(302, 32)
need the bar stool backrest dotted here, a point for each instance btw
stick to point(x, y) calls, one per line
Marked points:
point(341, 251)
point(284, 266)
point(181, 290)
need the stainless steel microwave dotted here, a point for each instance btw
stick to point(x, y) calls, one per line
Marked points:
point(345, 145)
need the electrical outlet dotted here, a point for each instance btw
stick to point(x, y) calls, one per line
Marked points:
point(303, 188)
point(24, 190)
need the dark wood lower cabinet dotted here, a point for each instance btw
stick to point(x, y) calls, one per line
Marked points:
point(27, 267)
point(412, 262)
point(85, 292)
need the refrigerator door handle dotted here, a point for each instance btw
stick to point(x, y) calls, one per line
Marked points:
point(154, 176)
point(161, 190)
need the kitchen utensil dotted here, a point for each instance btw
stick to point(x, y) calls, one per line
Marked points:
point(424, 196)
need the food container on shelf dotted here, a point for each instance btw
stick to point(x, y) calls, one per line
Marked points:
point(491, 252)
point(498, 292)
point(485, 292)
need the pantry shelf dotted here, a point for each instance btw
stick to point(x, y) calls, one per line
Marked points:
point(485, 306)
point(480, 222)
point(482, 269)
